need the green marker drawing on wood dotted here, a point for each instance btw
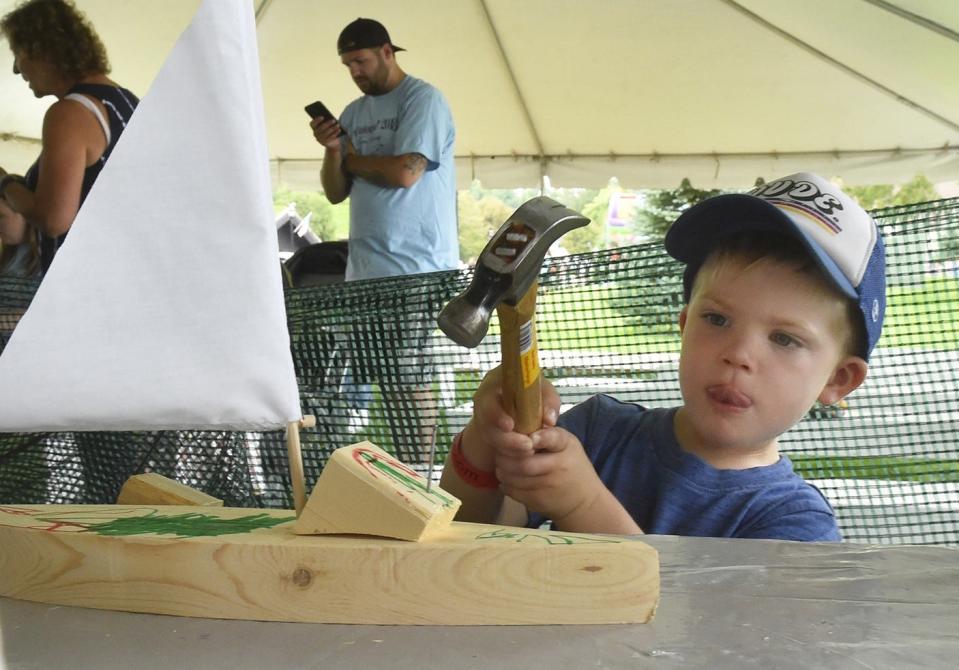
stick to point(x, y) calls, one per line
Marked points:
point(189, 524)
point(520, 535)
point(398, 472)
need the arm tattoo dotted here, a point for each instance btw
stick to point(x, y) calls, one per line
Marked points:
point(415, 163)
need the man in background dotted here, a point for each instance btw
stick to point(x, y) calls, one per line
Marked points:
point(391, 153)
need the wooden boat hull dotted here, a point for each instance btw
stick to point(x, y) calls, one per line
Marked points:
point(237, 563)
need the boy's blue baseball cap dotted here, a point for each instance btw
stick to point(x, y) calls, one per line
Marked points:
point(838, 233)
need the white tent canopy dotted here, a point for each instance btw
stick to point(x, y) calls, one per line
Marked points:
point(648, 91)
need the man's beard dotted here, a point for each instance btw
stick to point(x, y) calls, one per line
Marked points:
point(375, 84)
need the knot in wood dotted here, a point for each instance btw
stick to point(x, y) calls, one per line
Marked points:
point(302, 577)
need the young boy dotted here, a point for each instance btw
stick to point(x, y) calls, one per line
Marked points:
point(785, 296)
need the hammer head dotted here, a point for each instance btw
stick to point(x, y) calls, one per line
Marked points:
point(506, 269)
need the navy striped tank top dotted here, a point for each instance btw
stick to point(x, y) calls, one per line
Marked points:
point(120, 104)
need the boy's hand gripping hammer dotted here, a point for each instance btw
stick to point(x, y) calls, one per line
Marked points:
point(506, 278)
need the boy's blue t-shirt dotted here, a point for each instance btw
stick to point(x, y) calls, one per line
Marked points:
point(668, 491)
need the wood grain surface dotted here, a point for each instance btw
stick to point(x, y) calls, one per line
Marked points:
point(364, 490)
point(236, 563)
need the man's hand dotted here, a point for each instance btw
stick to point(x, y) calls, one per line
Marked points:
point(327, 133)
point(337, 184)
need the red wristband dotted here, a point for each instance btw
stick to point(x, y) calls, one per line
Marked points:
point(480, 479)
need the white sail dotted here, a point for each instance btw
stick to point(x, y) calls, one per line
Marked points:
point(164, 308)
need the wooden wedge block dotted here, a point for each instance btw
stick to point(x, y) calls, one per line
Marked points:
point(230, 563)
point(364, 490)
point(150, 488)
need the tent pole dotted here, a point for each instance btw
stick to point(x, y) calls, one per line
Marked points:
point(512, 78)
point(261, 10)
point(912, 104)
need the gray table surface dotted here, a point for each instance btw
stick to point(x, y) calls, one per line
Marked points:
point(724, 604)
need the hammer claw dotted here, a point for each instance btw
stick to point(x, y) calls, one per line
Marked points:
point(505, 279)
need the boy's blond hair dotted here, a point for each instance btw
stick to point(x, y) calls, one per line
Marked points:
point(750, 249)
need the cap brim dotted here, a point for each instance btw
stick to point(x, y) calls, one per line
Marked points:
point(342, 50)
point(696, 232)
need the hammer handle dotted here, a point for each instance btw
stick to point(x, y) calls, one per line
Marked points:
point(522, 392)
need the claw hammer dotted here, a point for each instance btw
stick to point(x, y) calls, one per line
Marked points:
point(506, 278)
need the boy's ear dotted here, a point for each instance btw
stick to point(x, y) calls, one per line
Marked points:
point(846, 378)
point(682, 319)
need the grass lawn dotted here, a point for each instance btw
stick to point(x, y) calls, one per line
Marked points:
point(921, 470)
point(924, 316)
point(585, 317)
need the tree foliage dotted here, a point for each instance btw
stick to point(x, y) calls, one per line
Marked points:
point(592, 236)
point(664, 207)
point(511, 197)
point(479, 218)
point(329, 222)
point(482, 211)
point(577, 199)
point(917, 189)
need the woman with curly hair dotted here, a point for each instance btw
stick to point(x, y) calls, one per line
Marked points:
point(58, 53)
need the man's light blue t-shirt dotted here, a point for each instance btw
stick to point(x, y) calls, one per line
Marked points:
point(399, 231)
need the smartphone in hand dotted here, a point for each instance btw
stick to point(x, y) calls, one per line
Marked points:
point(315, 109)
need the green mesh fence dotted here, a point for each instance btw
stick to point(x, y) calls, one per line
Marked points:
point(888, 460)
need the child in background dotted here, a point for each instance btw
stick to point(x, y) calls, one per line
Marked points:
point(785, 296)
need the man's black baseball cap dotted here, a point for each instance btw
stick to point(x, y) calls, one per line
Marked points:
point(364, 34)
